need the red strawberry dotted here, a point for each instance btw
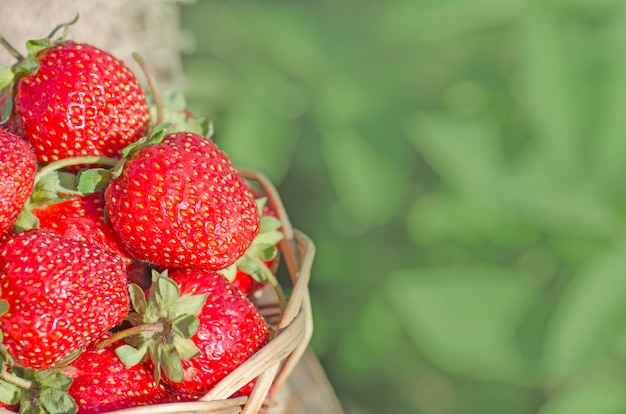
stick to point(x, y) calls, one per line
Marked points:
point(62, 294)
point(78, 100)
point(181, 203)
point(101, 383)
point(81, 218)
point(231, 330)
point(195, 352)
point(17, 178)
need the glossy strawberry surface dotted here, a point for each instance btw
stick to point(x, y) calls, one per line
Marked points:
point(81, 218)
point(230, 331)
point(181, 203)
point(81, 101)
point(17, 177)
point(62, 294)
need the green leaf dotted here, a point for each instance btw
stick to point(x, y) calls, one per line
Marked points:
point(137, 298)
point(185, 348)
point(130, 356)
point(6, 76)
point(189, 305)
point(167, 292)
point(57, 401)
point(597, 396)
point(170, 363)
point(465, 319)
point(588, 316)
point(26, 220)
point(4, 307)
point(464, 152)
point(370, 186)
point(35, 46)
point(8, 393)
point(186, 325)
point(53, 379)
point(93, 180)
point(552, 89)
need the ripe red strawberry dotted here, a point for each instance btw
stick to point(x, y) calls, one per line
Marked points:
point(17, 178)
point(101, 383)
point(209, 329)
point(230, 331)
point(81, 218)
point(62, 294)
point(79, 100)
point(181, 203)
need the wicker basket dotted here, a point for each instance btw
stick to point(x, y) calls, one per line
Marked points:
point(293, 327)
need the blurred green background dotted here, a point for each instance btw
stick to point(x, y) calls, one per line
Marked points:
point(460, 166)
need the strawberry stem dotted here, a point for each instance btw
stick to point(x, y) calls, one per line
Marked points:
point(271, 279)
point(135, 330)
point(153, 89)
point(17, 55)
point(67, 162)
point(15, 380)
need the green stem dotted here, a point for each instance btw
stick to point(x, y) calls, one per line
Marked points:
point(271, 279)
point(135, 330)
point(15, 380)
point(68, 162)
point(17, 55)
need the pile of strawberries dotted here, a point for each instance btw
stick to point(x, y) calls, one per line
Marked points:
point(130, 247)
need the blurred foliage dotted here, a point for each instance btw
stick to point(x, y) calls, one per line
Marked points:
point(461, 168)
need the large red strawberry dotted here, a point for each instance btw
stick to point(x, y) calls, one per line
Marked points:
point(101, 383)
point(231, 330)
point(180, 203)
point(62, 294)
point(17, 178)
point(208, 329)
point(73, 99)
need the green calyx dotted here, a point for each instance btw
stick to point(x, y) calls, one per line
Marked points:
point(262, 249)
point(38, 391)
point(171, 319)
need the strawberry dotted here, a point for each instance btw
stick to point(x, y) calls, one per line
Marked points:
point(81, 218)
point(17, 178)
point(208, 329)
point(101, 383)
point(73, 99)
point(180, 203)
point(62, 294)
point(230, 331)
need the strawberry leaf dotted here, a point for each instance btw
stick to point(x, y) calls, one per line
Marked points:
point(189, 304)
point(171, 363)
point(26, 220)
point(130, 356)
point(4, 307)
point(137, 298)
point(6, 76)
point(53, 379)
point(9, 393)
point(185, 348)
point(186, 326)
point(56, 401)
point(93, 180)
point(35, 46)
